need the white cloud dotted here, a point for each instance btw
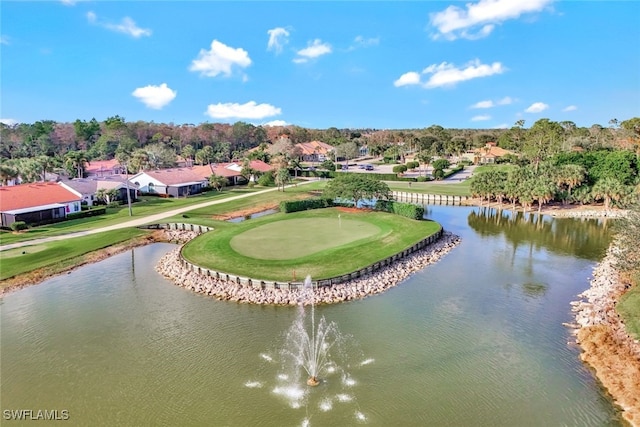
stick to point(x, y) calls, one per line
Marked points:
point(478, 20)
point(483, 104)
point(570, 108)
point(536, 107)
point(502, 126)
point(155, 97)
point(446, 74)
point(9, 122)
point(480, 118)
point(4, 40)
point(220, 59)
point(126, 26)
point(362, 42)
point(490, 104)
point(410, 78)
point(274, 123)
point(71, 2)
point(278, 37)
point(250, 110)
point(313, 50)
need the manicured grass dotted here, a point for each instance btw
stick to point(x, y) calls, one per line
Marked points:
point(392, 234)
point(457, 189)
point(300, 237)
point(629, 309)
point(268, 199)
point(146, 206)
point(14, 262)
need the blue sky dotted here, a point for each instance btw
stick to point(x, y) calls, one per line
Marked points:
point(351, 64)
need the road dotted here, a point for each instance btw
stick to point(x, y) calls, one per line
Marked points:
point(136, 222)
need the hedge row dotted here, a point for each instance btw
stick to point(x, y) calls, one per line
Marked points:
point(453, 171)
point(403, 209)
point(303, 205)
point(379, 176)
point(87, 213)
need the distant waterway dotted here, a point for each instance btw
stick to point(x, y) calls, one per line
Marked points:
point(474, 340)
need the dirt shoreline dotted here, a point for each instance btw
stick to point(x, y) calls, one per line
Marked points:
point(606, 346)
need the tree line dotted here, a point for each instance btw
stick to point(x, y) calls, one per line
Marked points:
point(32, 150)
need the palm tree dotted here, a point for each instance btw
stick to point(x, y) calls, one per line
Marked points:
point(609, 189)
point(424, 157)
point(282, 177)
point(7, 173)
point(76, 161)
point(218, 181)
point(46, 163)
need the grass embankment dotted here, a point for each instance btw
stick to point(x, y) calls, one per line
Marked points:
point(55, 257)
point(629, 309)
point(381, 235)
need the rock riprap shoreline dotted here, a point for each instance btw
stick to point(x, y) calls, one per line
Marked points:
point(170, 266)
point(606, 345)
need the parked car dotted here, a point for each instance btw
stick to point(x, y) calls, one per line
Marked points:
point(345, 167)
point(362, 166)
point(369, 167)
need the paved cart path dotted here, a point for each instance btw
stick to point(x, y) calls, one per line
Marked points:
point(137, 221)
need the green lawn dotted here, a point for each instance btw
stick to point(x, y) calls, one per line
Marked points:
point(629, 309)
point(146, 206)
point(300, 237)
point(22, 260)
point(309, 252)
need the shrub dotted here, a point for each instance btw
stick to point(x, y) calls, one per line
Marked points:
point(412, 165)
point(303, 205)
point(328, 165)
point(403, 209)
point(399, 169)
point(19, 225)
point(422, 179)
point(91, 212)
point(438, 174)
point(267, 179)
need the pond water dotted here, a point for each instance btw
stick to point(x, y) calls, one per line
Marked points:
point(253, 215)
point(474, 340)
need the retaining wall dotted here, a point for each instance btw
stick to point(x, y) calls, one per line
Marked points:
point(180, 227)
point(424, 199)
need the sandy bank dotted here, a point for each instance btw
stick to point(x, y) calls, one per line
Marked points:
point(607, 348)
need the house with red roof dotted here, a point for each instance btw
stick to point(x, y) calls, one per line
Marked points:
point(182, 182)
point(37, 203)
point(314, 151)
point(485, 155)
point(100, 168)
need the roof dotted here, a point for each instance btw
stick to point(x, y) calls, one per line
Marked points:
point(173, 177)
point(314, 147)
point(31, 195)
point(260, 166)
point(97, 166)
point(492, 151)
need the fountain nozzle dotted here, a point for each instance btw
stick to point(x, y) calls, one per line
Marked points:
point(313, 381)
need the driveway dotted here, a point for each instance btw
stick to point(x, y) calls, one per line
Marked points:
point(136, 222)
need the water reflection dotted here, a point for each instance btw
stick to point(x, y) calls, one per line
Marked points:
point(583, 238)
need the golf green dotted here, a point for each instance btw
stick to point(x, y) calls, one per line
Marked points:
point(295, 238)
point(321, 243)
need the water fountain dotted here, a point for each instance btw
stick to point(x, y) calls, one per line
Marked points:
point(315, 364)
point(307, 346)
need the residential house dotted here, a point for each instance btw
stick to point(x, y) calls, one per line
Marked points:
point(37, 203)
point(175, 182)
point(101, 168)
point(232, 171)
point(314, 151)
point(88, 187)
point(485, 155)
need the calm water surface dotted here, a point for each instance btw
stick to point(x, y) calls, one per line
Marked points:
point(475, 340)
